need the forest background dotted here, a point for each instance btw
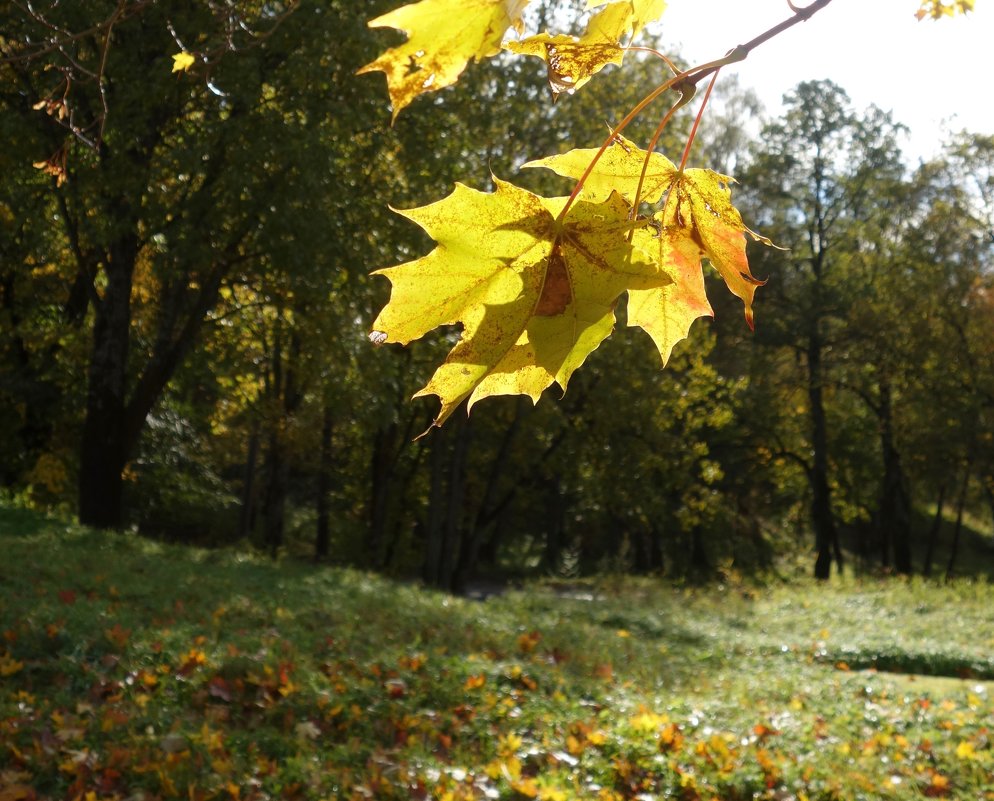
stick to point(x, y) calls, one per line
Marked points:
point(186, 298)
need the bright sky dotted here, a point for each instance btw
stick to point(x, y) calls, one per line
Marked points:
point(935, 76)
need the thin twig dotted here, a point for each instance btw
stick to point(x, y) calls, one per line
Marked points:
point(686, 83)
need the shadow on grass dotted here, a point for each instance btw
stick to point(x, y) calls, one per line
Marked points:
point(16, 521)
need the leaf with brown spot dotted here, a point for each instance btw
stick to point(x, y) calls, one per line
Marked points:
point(534, 295)
point(573, 61)
point(699, 204)
point(444, 36)
point(697, 220)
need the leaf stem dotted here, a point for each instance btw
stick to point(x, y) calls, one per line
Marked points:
point(697, 121)
point(669, 62)
point(631, 115)
point(686, 82)
point(684, 98)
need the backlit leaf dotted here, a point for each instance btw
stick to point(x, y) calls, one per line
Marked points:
point(534, 295)
point(666, 313)
point(936, 9)
point(443, 36)
point(183, 61)
point(697, 219)
point(643, 12)
point(573, 61)
point(617, 170)
point(700, 206)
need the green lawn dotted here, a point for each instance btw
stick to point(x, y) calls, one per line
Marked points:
point(134, 670)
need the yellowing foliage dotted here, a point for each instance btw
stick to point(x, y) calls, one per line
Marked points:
point(534, 294)
point(936, 9)
point(183, 61)
point(444, 36)
point(572, 61)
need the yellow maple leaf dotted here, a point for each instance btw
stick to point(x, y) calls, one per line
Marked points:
point(700, 207)
point(535, 295)
point(697, 220)
point(443, 36)
point(642, 12)
point(617, 170)
point(183, 61)
point(666, 313)
point(571, 60)
point(936, 9)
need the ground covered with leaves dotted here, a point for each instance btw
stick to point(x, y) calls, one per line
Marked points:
point(135, 670)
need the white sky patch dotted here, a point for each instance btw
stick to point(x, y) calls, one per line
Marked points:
point(935, 76)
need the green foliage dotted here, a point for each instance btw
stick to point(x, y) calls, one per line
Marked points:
point(130, 666)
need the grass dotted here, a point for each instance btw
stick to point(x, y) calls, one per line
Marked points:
point(134, 670)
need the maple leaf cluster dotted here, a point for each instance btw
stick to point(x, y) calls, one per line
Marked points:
point(533, 281)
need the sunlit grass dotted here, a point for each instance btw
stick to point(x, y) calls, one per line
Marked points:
point(135, 670)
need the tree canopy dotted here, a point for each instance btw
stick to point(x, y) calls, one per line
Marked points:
point(193, 261)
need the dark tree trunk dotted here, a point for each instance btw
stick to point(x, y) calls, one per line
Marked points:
point(246, 517)
point(104, 449)
point(826, 537)
point(433, 530)
point(958, 528)
point(647, 553)
point(284, 384)
point(473, 536)
point(381, 467)
point(113, 423)
point(322, 541)
point(455, 512)
point(895, 506)
point(699, 561)
point(555, 533)
point(933, 534)
point(274, 502)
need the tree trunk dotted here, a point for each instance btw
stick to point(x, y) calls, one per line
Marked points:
point(454, 511)
point(433, 529)
point(895, 506)
point(381, 468)
point(826, 537)
point(284, 384)
point(246, 516)
point(933, 534)
point(274, 503)
point(472, 544)
point(322, 541)
point(958, 528)
point(555, 533)
point(104, 450)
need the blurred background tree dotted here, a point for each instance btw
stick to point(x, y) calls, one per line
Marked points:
point(185, 301)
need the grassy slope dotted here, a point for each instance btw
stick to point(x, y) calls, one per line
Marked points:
point(133, 670)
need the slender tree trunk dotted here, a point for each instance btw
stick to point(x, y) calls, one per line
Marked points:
point(322, 541)
point(103, 446)
point(958, 528)
point(933, 534)
point(284, 384)
point(895, 506)
point(274, 504)
point(826, 537)
point(433, 530)
point(381, 468)
point(246, 516)
point(555, 533)
point(469, 550)
point(455, 512)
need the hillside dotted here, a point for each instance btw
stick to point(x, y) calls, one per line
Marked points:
point(135, 670)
